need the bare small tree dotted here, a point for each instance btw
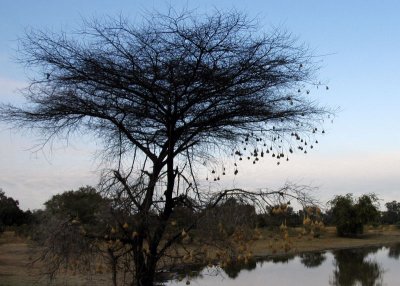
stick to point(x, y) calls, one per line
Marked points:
point(165, 96)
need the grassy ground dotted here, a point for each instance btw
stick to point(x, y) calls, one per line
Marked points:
point(327, 241)
point(16, 268)
point(16, 254)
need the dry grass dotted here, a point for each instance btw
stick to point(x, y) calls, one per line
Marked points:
point(16, 268)
point(327, 241)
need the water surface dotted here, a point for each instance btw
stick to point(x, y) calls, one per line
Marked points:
point(370, 266)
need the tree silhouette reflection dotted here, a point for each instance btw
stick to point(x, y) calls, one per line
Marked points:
point(352, 268)
point(280, 258)
point(394, 251)
point(233, 269)
point(312, 259)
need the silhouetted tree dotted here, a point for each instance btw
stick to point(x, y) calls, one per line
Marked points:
point(69, 226)
point(84, 205)
point(10, 213)
point(165, 96)
point(392, 213)
point(350, 215)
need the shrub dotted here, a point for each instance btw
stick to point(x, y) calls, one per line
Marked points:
point(350, 215)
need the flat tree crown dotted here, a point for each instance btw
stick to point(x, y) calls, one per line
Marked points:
point(174, 82)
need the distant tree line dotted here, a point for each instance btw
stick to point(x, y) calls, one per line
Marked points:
point(92, 210)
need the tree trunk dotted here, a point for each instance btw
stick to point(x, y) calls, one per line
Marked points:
point(114, 262)
point(145, 276)
point(146, 268)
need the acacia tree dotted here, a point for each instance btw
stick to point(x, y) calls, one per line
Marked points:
point(166, 97)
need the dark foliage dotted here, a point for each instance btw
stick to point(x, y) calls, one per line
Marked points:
point(10, 213)
point(350, 215)
point(392, 213)
point(85, 205)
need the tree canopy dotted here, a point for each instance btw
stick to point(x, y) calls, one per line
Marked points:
point(176, 81)
point(85, 205)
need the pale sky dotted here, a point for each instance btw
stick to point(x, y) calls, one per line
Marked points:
point(357, 44)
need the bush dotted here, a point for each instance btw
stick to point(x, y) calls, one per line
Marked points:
point(350, 215)
point(10, 213)
point(350, 229)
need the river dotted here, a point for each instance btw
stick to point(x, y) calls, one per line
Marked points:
point(368, 266)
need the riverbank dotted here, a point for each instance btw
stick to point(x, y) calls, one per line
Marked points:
point(269, 245)
point(16, 254)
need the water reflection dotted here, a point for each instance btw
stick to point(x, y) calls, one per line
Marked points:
point(312, 259)
point(394, 251)
point(233, 270)
point(373, 266)
point(352, 266)
point(278, 259)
